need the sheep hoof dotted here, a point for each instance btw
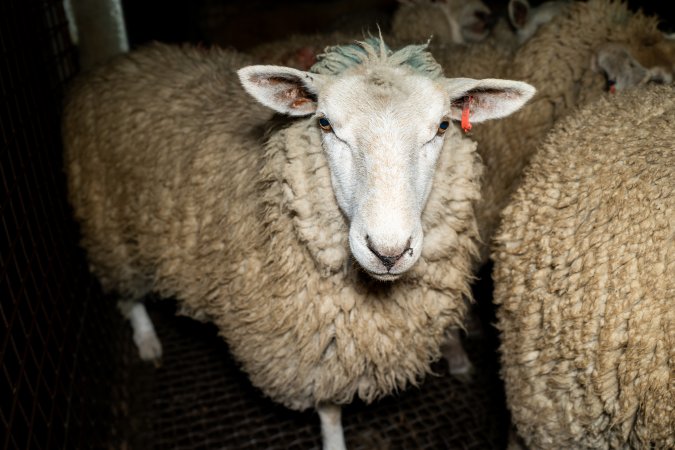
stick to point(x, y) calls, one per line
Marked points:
point(459, 364)
point(461, 368)
point(472, 325)
point(145, 337)
point(149, 347)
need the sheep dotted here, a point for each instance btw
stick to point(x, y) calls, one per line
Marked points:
point(497, 35)
point(626, 67)
point(449, 21)
point(306, 249)
point(299, 51)
point(526, 19)
point(584, 280)
point(558, 59)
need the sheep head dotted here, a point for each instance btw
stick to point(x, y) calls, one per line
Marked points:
point(383, 126)
point(469, 21)
point(527, 20)
point(626, 65)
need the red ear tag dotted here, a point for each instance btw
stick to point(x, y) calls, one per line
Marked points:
point(466, 125)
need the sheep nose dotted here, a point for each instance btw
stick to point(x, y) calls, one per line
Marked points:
point(486, 18)
point(389, 257)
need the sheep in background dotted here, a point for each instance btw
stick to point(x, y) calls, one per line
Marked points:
point(494, 54)
point(558, 61)
point(300, 51)
point(628, 67)
point(585, 280)
point(415, 21)
point(449, 21)
point(497, 35)
point(527, 20)
point(307, 250)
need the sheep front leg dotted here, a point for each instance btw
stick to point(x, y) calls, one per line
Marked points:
point(149, 347)
point(459, 364)
point(331, 426)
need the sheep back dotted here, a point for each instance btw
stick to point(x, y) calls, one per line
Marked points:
point(584, 264)
point(176, 192)
point(557, 61)
point(133, 132)
point(300, 51)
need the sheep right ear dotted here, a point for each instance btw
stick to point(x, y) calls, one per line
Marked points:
point(486, 99)
point(285, 90)
point(519, 11)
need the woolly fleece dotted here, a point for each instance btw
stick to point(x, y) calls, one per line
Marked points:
point(177, 193)
point(585, 278)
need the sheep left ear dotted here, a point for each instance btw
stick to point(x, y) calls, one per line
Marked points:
point(486, 99)
point(284, 89)
point(519, 12)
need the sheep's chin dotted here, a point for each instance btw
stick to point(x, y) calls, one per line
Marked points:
point(385, 276)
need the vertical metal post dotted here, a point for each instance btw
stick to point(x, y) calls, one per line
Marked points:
point(98, 29)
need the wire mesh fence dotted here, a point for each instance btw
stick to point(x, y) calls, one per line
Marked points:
point(58, 337)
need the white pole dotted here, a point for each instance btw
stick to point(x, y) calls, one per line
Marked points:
point(98, 29)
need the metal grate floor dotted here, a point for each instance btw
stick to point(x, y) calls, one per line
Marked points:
point(199, 398)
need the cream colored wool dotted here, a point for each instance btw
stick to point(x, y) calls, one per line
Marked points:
point(300, 50)
point(585, 279)
point(557, 61)
point(176, 193)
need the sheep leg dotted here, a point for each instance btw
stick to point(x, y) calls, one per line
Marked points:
point(459, 364)
point(149, 347)
point(331, 426)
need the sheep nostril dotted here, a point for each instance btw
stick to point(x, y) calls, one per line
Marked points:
point(389, 260)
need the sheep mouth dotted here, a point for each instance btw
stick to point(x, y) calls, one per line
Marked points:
point(384, 276)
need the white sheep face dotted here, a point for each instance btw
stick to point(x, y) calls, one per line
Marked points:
point(385, 134)
point(383, 128)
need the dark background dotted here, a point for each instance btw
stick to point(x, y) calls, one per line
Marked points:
point(243, 23)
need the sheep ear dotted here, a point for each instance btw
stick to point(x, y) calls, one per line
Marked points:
point(285, 90)
point(486, 99)
point(519, 11)
point(619, 66)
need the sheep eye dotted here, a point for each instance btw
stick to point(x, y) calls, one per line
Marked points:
point(325, 124)
point(443, 127)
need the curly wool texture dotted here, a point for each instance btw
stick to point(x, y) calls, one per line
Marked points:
point(176, 193)
point(584, 273)
point(557, 61)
